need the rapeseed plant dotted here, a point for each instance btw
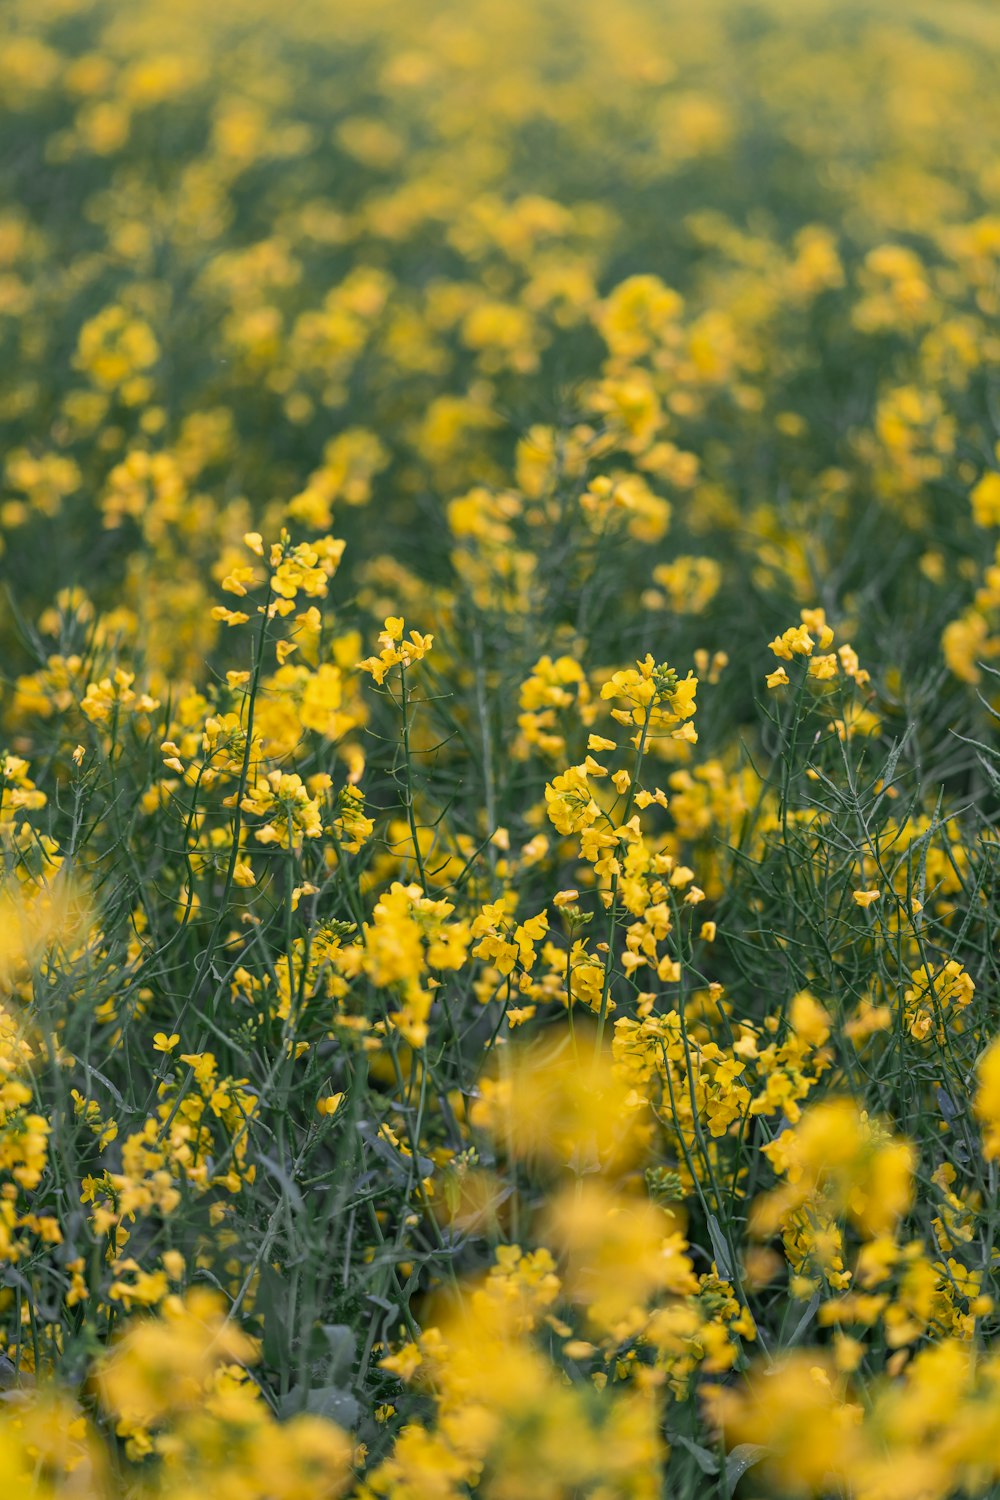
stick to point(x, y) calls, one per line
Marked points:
point(498, 860)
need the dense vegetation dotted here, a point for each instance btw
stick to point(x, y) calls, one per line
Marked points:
point(500, 526)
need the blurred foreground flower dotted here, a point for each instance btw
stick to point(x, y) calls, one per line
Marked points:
point(558, 1103)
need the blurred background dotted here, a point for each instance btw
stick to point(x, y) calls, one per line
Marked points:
point(259, 263)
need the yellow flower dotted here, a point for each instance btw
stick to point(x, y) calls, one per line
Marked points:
point(619, 1252)
point(796, 641)
point(800, 1413)
point(987, 1100)
point(838, 1161)
point(554, 1103)
point(568, 801)
point(823, 668)
point(985, 499)
point(395, 650)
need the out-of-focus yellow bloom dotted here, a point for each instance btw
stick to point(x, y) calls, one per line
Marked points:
point(555, 1102)
point(840, 1162)
point(987, 1101)
point(619, 1252)
point(801, 1414)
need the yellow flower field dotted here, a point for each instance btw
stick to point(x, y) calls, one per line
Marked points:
point(499, 772)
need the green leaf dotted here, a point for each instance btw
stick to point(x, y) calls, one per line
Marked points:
point(703, 1457)
point(805, 1319)
point(743, 1457)
point(329, 1401)
point(720, 1248)
point(341, 1347)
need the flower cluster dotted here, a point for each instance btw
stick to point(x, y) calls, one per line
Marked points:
point(496, 999)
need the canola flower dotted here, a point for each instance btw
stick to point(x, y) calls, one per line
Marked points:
point(498, 879)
